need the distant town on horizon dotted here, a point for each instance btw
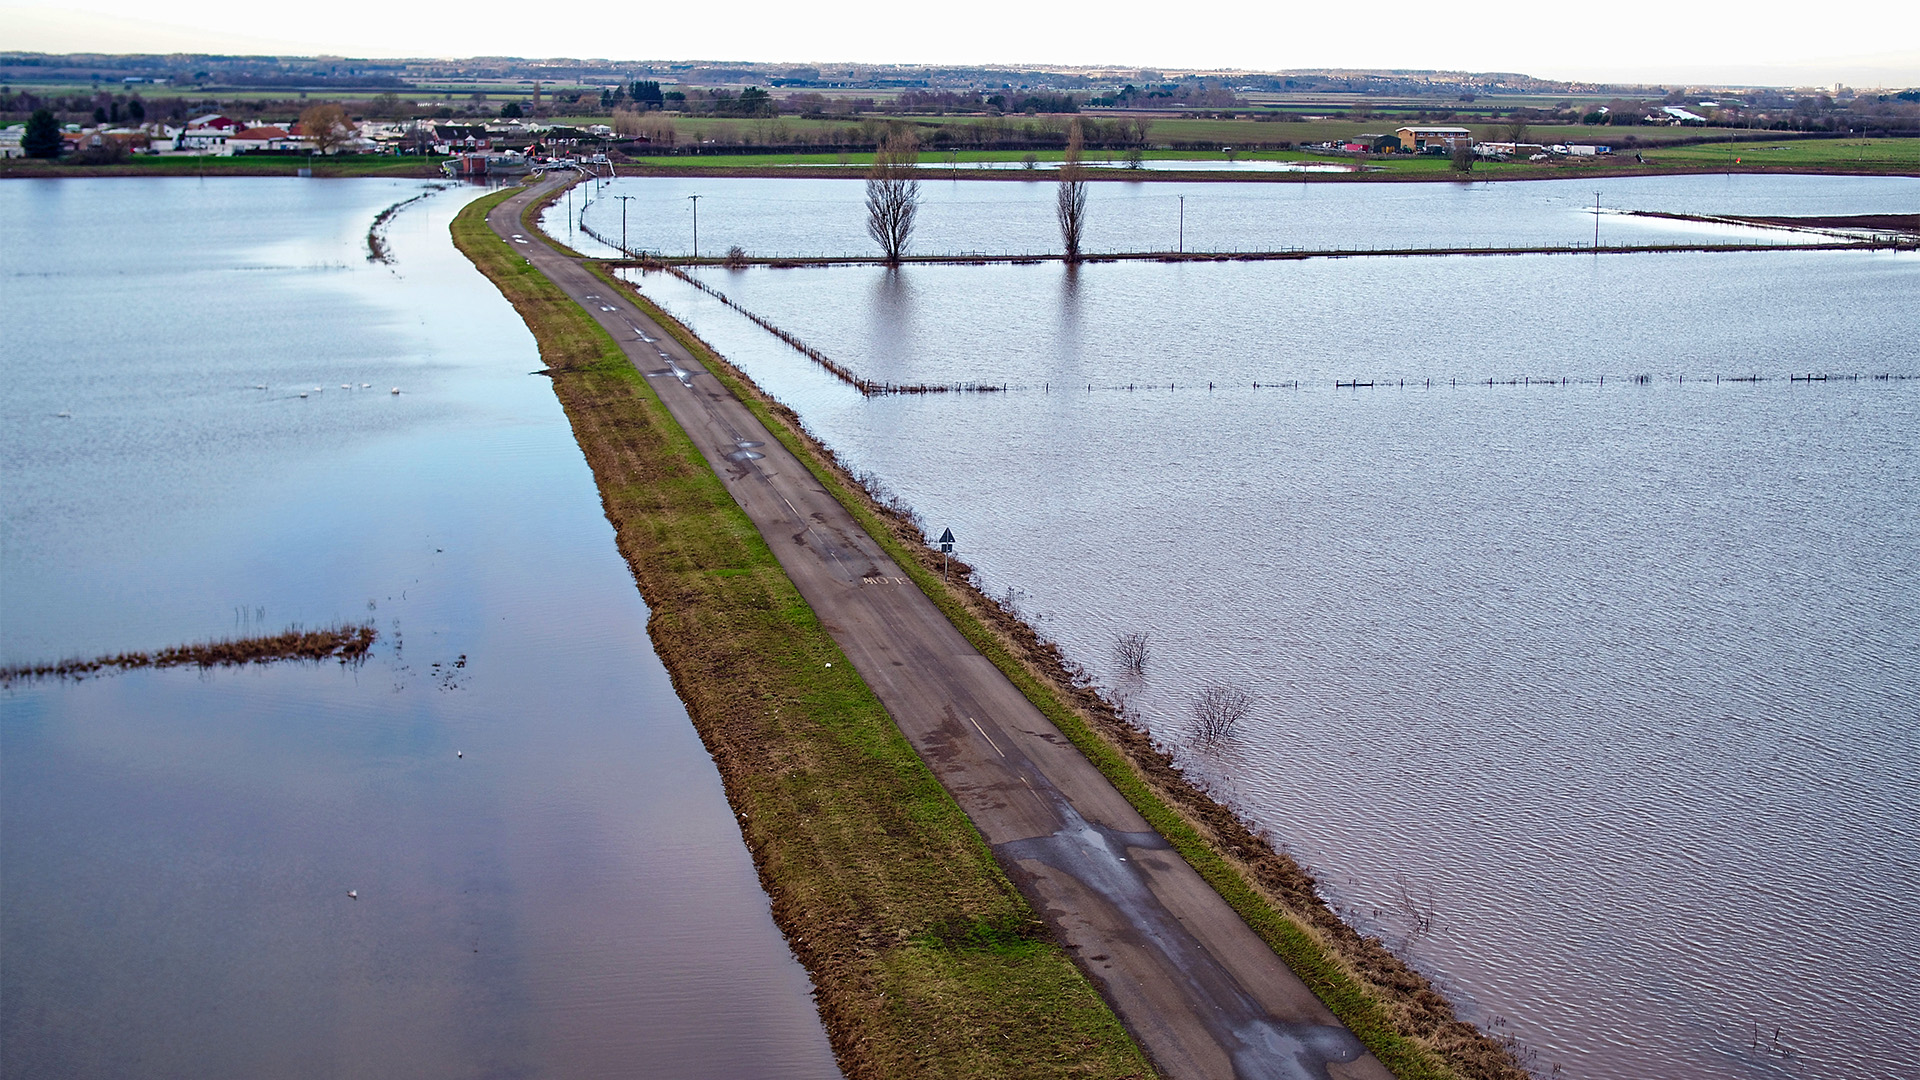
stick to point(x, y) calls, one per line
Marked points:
point(213, 71)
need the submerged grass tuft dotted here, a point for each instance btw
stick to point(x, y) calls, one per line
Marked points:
point(347, 644)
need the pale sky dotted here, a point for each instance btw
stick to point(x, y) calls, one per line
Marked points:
point(1768, 42)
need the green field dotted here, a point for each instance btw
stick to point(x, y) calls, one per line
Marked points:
point(1891, 155)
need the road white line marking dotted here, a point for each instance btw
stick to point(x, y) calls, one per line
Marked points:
point(989, 738)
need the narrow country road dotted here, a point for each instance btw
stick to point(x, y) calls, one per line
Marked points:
point(1201, 992)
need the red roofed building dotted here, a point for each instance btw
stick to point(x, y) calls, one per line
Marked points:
point(267, 137)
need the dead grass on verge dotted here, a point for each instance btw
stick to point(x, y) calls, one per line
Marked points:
point(343, 643)
point(925, 959)
point(1394, 1009)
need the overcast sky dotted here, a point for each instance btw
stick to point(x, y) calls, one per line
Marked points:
point(1863, 43)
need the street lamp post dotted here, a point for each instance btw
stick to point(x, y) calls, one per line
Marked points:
point(624, 250)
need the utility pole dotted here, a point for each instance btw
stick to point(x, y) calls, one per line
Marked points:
point(696, 225)
point(1596, 223)
point(624, 250)
point(1183, 224)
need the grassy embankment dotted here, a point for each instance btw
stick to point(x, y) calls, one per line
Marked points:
point(247, 165)
point(925, 959)
point(1393, 1009)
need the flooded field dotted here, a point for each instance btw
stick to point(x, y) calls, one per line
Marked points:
point(825, 217)
point(496, 846)
point(1591, 691)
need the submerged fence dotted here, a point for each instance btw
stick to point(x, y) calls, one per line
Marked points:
point(647, 262)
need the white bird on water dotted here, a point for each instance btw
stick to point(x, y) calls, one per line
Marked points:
point(353, 894)
point(459, 753)
point(396, 389)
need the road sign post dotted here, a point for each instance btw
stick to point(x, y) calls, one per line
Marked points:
point(946, 549)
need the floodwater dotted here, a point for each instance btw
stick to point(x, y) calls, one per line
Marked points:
point(549, 880)
point(1108, 161)
point(1595, 698)
point(1009, 217)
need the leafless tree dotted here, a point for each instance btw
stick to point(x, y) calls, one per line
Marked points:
point(1218, 711)
point(1071, 206)
point(893, 195)
point(326, 127)
point(1130, 650)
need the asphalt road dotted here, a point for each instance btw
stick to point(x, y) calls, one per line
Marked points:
point(1200, 991)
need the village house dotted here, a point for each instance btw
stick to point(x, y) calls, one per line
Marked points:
point(267, 138)
point(1420, 139)
point(455, 138)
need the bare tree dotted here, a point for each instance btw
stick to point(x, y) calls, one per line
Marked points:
point(893, 195)
point(326, 127)
point(1071, 206)
point(1218, 711)
point(1130, 650)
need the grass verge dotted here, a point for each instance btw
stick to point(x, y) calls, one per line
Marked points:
point(1396, 1011)
point(926, 961)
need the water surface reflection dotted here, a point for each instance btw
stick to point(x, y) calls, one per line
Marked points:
point(548, 878)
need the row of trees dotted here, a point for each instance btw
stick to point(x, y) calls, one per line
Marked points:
point(893, 195)
point(1004, 133)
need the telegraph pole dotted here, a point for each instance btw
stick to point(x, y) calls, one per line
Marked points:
point(1183, 224)
point(1596, 223)
point(696, 225)
point(624, 250)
